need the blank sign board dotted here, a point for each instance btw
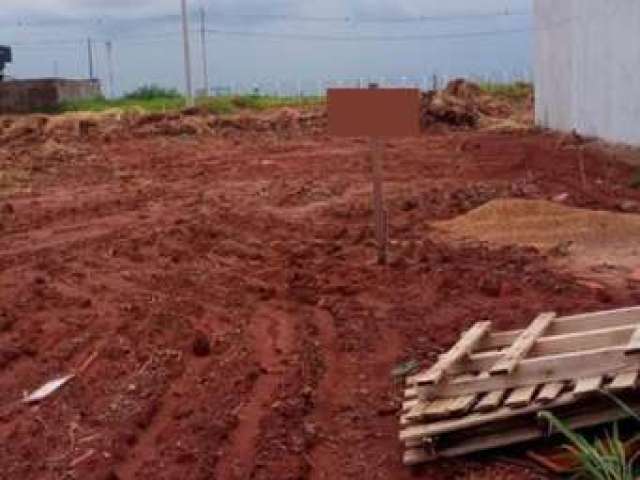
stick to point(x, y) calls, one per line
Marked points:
point(374, 112)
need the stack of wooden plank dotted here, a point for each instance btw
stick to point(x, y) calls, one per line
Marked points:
point(487, 391)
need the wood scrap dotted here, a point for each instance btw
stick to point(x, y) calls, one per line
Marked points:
point(522, 345)
point(464, 346)
point(487, 391)
point(47, 389)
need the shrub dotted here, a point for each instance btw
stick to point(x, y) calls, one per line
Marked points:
point(606, 458)
point(151, 92)
point(511, 91)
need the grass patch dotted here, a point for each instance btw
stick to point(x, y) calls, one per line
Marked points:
point(99, 104)
point(153, 99)
point(517, 91)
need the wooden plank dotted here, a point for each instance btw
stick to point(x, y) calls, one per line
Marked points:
point(571, 324)
point(490, 401)
point(533, 371)
point(436, 409)
point(417, 456)
point(554, 345)
point(624, 381)
point(406, 421)
point(521, 397)
point(520, 435)
point(634, 344)
point(427, 443)
point(475, 420)
point(418, 410)
point(410, 393)
point(522, 345)
point(488, 442)
point(585, 386)
point(550, 392)
point(409, 404)
point(460, 350)
point(433, 410)
point(462, 405)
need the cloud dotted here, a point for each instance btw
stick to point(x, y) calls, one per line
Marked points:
point(128, 8)
point(82, 8)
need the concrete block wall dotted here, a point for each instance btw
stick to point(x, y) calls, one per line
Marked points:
point(587, 67)
point(25, 96)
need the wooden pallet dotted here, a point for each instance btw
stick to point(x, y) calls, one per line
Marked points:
point(487, 390)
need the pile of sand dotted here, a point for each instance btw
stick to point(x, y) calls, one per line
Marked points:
point(590, 236)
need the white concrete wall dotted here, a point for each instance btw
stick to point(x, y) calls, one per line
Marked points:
point(587, 67)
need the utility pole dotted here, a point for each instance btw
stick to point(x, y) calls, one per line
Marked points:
point(203, 40)
point(187, 54)
point(90, 52)
point(109, 45)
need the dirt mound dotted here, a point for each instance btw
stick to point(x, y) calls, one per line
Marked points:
point(171, 124)
point(200, 122)
point(15, 128)
point(461, 104)
point(66, 127)
point(116, 123)
point(281, 120)
point(589, 236)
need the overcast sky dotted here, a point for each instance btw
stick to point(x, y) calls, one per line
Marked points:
point(128, 8)
point(381, 38)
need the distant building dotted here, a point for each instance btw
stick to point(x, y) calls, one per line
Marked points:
point(5, 57)
point(43, 95)
point(221, 91)
point(587, 67)
point(40, 95)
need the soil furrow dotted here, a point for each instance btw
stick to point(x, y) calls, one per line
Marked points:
point(272, 333)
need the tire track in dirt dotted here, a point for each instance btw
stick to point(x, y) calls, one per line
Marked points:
point(273, 336)
point(65, 232)
point(353, 401)
point(326, 401)
point(53, 239)
point(147, 442)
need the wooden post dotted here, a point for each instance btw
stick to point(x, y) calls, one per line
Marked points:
point(583, 172)
point(378, 114)
point(380, 214)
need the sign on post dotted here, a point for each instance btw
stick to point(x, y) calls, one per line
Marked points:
point(378, 114)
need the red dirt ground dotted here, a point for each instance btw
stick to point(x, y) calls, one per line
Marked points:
point(139, 250)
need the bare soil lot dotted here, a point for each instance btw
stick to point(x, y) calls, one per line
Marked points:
point(223, 289)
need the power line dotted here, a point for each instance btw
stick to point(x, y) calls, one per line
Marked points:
point(364, 19)
point(137, 35)
point(48, 43)
point(371, 38)
point(282, 17)
point(139, 39)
